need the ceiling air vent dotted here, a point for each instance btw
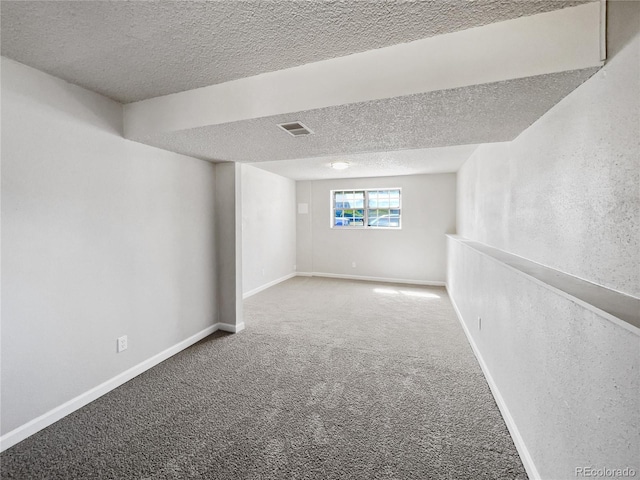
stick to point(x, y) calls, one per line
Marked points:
point(296, 129)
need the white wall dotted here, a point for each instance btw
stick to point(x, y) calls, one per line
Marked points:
point(101, 237)
point(228, 221)
point(268, 228)
point(565, 194)
point(416, 252)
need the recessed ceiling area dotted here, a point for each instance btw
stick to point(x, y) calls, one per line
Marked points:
point(130, 51)
point(374, 164)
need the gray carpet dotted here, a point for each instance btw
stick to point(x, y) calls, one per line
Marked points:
point(332, 379)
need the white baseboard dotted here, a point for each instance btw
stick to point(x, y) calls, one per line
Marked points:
point(267, 285)
point(228, 327)
point(22, 432)
point(374, 279)
point(523, 451)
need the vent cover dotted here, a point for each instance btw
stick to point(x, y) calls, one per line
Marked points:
point(296, 129)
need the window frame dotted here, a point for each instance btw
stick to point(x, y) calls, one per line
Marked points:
point(366, 208)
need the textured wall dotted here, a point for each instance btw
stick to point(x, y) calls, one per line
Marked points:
point(565, 193)
point(568, 376)
point(268, 227)
point(415, 252)
point(100, 237)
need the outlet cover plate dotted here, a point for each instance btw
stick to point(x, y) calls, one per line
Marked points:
point(122, 343)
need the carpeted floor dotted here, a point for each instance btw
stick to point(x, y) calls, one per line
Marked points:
point(332, 379)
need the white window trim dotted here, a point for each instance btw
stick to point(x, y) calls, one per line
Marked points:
point(366, 209)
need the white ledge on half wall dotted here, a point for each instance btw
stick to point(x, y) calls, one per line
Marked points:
point(620, 308)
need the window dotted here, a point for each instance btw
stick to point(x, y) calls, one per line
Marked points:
point(366, 208)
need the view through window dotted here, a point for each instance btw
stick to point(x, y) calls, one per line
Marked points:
point(375, 208)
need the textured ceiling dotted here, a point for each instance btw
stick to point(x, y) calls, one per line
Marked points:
point(135, 50)
point(492, 112)
point(374, 164)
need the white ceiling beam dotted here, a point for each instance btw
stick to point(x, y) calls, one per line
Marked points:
point(561, 40)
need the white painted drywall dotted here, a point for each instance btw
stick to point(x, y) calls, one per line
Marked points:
point(228, 221)
point(268, 228)
point(101, 237)
point(416, 252)
point(304, 227)
point(565, 194)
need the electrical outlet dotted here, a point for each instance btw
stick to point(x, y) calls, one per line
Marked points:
point(122, 343)
point(263, 272)
point(479, 323)
point(353, 264)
